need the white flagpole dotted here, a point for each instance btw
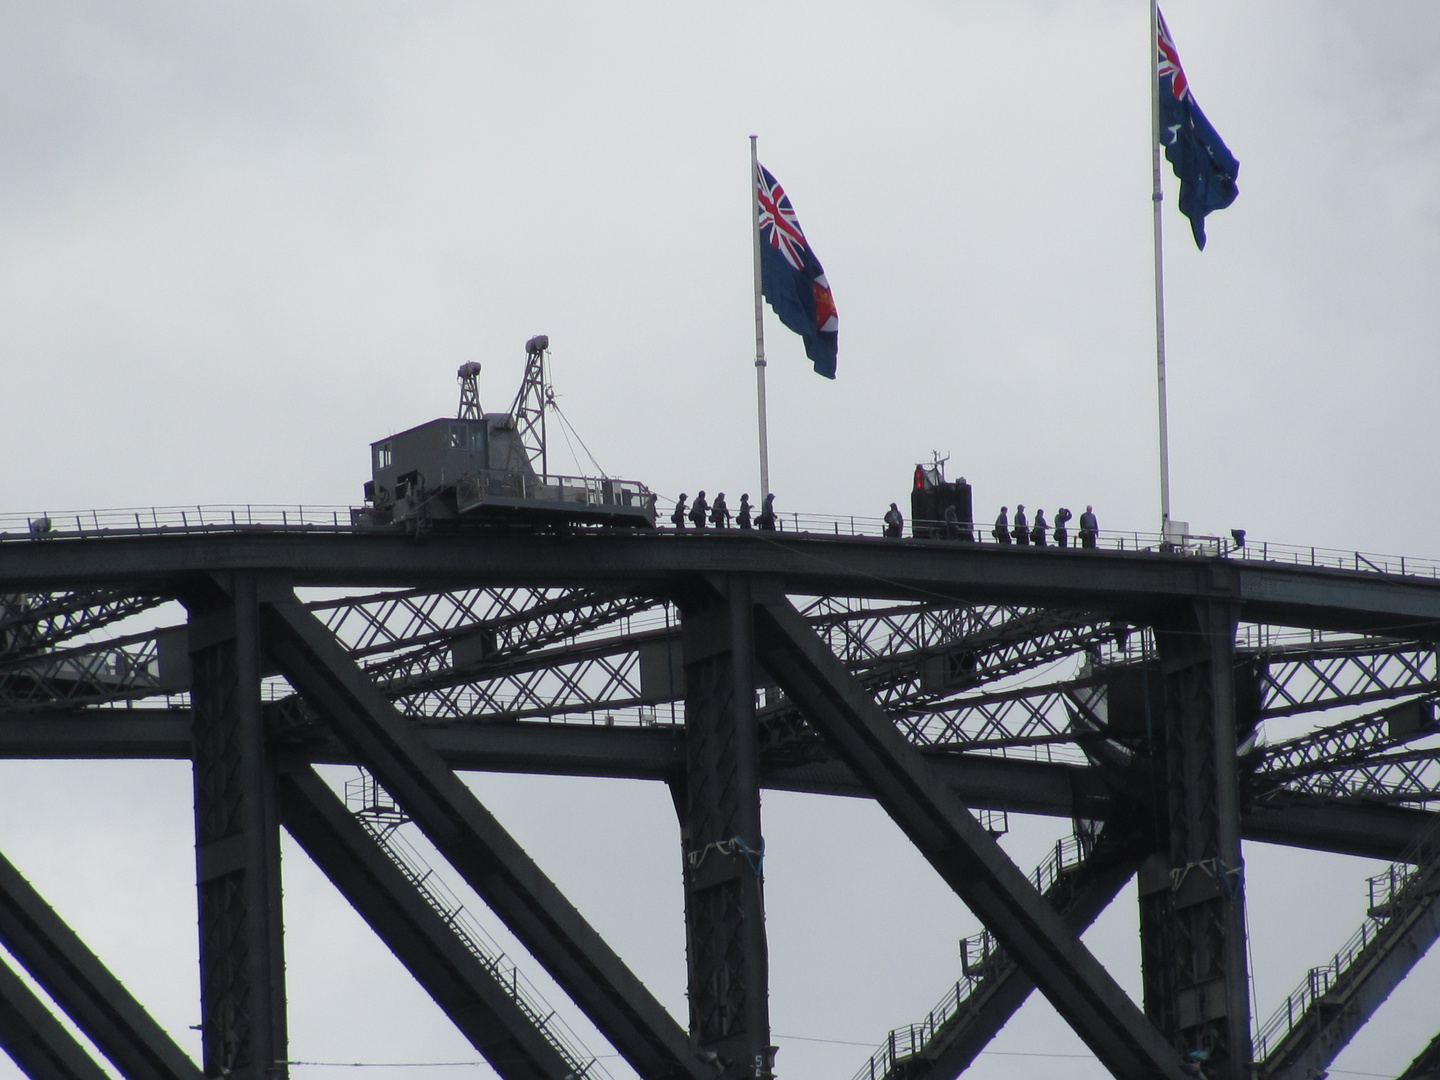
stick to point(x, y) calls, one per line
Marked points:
point(1156, 196)
point(759, 320)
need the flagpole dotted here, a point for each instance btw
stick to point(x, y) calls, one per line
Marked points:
point(1156, 196)
point(759, 321)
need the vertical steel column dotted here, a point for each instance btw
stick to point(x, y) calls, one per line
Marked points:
point(1192, 896)
point(721, 839)
point(237, 842)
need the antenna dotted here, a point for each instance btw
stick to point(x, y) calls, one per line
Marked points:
point(469, 376)
point(530, 402)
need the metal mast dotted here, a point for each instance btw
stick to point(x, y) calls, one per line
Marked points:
point(469, 377)
point(530, 402)
point(1157, 194)
point(759, 320)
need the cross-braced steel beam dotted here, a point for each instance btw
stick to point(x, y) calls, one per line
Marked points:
point(30, 622)
point(959, 848)
point(721, 838)
point(237, 838)
point(1192, 896)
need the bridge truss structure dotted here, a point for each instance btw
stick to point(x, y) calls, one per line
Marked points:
point(1129, 692)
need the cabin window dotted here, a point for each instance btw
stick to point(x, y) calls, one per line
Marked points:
point(458, 439)
point(382, 456)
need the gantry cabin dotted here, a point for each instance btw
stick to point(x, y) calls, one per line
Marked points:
point(482, 467)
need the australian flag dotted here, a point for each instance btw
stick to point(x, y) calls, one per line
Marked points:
point(1205, 167)
point(791, 277)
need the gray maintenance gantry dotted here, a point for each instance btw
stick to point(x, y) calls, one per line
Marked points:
point(493, 467)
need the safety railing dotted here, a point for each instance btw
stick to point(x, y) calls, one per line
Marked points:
point(472, 490)
point(382, 818)
point(591, 491)
point(981, 959)
point(173, 519)
point(1393, 893)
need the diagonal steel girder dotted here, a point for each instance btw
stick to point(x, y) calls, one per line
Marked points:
point(83, 987)
point(470, 992)
point(484, 854)
point(1079, 893)
point(36, 1041)
point(1426, 1065)
point(1318, 1020)
point(960, 849)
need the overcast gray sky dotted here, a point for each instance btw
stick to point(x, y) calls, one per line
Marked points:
point(239, 241)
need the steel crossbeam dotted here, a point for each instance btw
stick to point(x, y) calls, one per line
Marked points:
point(442, 634)
point(36, 1041)
point(1349, 671)
point(83, 987)
point(489, 860)
point(959, 848)
point(121, 669)
point(1411, 776)
point(1351, 742)
point(471, 993)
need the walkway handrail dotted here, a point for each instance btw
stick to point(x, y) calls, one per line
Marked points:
point(1392, 893)
point(981, 958)
point(382, 818)
point(317, 517)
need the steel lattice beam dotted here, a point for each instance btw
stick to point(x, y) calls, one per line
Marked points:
point(31, 623)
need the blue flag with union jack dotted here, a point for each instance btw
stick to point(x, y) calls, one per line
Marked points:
point(1202, 162)
point(792, 279)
